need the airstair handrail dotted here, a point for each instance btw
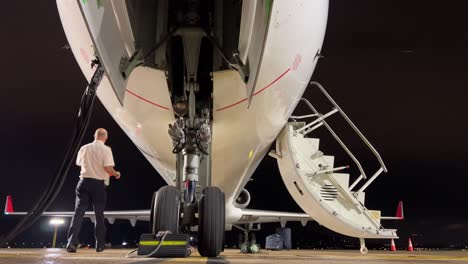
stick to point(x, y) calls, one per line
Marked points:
point(351, 155)
point(303, 116)
point(353, 126)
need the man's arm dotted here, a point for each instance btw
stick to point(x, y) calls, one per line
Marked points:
point(112, 172)
point(109, 164)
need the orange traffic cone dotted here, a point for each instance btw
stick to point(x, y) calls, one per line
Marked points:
point(392, 246)
point(410, 245)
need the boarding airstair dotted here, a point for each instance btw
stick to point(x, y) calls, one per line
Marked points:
point(321, 189)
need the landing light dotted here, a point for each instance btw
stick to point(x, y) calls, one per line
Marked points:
point(56, 221)
point(181, 108)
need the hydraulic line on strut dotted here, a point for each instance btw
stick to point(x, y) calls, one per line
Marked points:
point(56, 182)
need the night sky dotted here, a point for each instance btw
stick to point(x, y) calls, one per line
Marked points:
point(398, 68)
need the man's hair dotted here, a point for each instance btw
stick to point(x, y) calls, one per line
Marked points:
point(100, 133)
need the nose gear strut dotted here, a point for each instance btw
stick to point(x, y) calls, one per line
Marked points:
point(192, 142)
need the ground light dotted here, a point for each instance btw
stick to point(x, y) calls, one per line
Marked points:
point(56, 222)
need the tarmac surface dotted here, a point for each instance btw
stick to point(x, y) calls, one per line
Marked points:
point(113, 256)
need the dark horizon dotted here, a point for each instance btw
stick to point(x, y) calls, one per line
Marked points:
point(399, 69)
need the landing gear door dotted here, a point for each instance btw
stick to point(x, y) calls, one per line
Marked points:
point(108, 40)
point(252, 38)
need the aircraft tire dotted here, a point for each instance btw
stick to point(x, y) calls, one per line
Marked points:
point(165, 208)
point(241, 239)
point(211, 213)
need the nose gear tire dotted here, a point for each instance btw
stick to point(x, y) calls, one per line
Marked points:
point(165, 210)
point(211, 224)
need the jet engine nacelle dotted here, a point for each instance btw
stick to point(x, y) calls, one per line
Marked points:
point(243, 200)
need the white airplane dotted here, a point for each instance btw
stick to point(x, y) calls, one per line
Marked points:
point(204, 88)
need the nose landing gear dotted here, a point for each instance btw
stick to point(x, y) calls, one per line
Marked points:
point(191, 138)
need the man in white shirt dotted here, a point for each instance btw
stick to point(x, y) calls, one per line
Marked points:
point(97, 165)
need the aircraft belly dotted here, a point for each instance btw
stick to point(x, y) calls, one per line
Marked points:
point(241, 136)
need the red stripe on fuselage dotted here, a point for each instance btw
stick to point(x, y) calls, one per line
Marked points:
point(259, 91)
point(146, 100)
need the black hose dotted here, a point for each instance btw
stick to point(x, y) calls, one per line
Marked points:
point(56, 182)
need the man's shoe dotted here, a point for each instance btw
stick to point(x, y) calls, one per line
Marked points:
point(99, 249)
point(71, 248)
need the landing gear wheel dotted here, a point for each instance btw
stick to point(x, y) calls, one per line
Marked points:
point(244, 248)
point(241, 240)
point(364, 250)
point(254, 248)
point(211, 222)
point(152, 213)
point(253, 238)
point(165, 210)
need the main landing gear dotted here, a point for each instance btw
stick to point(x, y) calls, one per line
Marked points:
point(363, 249)
point(247, 239)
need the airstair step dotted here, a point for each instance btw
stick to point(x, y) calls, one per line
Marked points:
point(342, 179)
point(325, 196)
point(361, 196)
point(311, 143)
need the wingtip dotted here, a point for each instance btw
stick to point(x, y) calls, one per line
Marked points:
point(9, 205)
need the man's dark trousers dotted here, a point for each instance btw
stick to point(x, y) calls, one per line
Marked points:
point(89, 190)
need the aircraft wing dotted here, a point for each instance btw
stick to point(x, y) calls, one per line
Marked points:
point(131, 215)
point(248, 215)
point(262, 216)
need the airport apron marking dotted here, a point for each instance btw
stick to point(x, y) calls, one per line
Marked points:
point(146, 100)
point(257, 92)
